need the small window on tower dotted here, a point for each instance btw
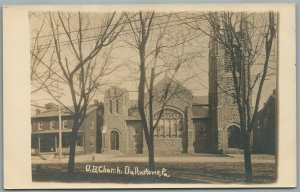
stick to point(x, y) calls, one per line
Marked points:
point(215, 45)
point(233, 96)
point(238, 58)
point(117, 106)
point(226, 62)
point(110, 106)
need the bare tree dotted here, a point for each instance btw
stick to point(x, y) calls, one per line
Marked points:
point(76, 54)
point(161, 51)
point(244, 40)
point(39, 74)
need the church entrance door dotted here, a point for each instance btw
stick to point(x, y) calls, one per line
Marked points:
point(114, 140)
point(233, 137)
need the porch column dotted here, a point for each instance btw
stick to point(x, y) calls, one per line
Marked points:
point(39, 144)
point(55, 142)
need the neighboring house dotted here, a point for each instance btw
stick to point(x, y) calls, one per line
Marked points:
point(264, 132)
point(45, 130)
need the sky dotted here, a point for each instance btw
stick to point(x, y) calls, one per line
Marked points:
point(126, 76)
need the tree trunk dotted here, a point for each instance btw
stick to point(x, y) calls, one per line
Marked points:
point(247, 158)
point(72, 141)
point(151, 157)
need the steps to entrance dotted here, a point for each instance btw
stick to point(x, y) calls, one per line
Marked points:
point(233, 151)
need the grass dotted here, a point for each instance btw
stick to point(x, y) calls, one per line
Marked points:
point(200, 172)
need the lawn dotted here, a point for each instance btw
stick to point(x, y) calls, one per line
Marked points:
point(202, 172)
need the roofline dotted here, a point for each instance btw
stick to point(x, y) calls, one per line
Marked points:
point(35, 117)
point(268, 101)
point(66, 115)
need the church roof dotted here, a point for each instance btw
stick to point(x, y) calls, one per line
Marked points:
point(271, 98)
point(133, 104)
point(200, 100)
point(174, 84)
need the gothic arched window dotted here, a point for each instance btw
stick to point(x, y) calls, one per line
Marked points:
point(170, 125)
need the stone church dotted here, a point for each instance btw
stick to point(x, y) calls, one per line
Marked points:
point(190, 124)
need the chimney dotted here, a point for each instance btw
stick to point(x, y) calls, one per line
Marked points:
point(37, 111)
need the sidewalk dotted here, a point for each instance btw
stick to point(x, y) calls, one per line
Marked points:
point(256, 158)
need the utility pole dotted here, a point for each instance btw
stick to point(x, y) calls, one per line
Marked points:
point(59, 126)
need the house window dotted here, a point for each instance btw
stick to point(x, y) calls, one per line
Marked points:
point(80, 140)
point(65, 124)
point(110, 106)
point(40, 125)
point(91, 124)
point(52, 125)
point(65, 140)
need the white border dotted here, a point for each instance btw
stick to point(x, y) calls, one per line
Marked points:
point(16, 91)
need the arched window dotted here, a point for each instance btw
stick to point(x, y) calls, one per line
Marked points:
point(170, 125)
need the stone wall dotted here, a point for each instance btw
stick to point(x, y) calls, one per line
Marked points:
point(168, 145)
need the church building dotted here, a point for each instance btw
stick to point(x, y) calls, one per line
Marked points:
point(189, 124)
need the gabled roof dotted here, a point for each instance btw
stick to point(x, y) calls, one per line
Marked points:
point(267, 103)
point(64, 112)
point(53, 131)
point(173, 85)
